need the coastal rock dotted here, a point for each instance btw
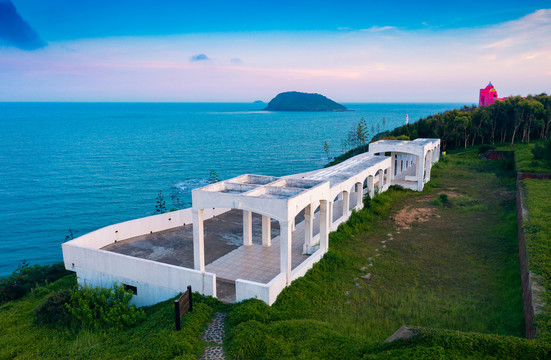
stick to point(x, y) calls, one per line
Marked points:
point(298, 101)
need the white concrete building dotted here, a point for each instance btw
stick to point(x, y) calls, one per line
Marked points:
point(305, 207)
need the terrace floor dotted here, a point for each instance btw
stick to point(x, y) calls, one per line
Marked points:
point(224, 253)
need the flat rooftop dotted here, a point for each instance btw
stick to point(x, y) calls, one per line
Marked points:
point(345, 170)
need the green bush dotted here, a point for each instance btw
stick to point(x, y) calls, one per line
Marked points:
point(97, 307)
point(251, 309)
point(542, 151)
point(27, 277)
point(54, 310)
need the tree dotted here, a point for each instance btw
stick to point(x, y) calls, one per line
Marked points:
point(326, 150)
point(160, 207)
point(70, 236)
point(213, 177)
point(176, 204)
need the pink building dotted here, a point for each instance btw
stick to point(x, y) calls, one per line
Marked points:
point(487, 95)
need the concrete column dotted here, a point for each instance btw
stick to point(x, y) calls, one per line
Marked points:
point(324, 226)
point(420, 172)
point(359, 196)
point(247, 228)
point(345, 204)
point(398, 164)
point(428, 166)
point(392, 165)
point(285, 249)
point(266, 231)
point(370, 186)
point(198, 240)
point(330, 215)
point(308, 227)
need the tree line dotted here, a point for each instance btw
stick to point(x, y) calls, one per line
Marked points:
point(509, 120)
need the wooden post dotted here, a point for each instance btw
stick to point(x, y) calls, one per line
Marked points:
point(182, 305)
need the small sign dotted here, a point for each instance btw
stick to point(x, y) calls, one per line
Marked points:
point(182, 306)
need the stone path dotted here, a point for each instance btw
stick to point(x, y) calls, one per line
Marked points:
point(215, 333)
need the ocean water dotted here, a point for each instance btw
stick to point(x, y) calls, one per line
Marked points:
point(82, 166)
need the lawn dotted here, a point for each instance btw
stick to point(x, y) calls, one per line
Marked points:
point(524, 159)
point(459, 270)
point(455, 274)
point(537, 227)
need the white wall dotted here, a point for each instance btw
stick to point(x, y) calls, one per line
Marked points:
point(268, 293)
point(129, 229)
point(155, 281)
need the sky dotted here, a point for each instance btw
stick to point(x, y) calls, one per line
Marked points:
point(242, 51)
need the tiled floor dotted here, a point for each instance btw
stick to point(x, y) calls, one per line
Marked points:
point(224, 256)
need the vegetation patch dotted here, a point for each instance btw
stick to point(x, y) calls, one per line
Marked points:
point(537, 228)
point(23, 336)
point(26, 277)
point(515, 119)
point(458, 271)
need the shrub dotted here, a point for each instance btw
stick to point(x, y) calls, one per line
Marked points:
point(97, 307)
point(54, 310)
point(27, 277)
point(251, 309)
point(542, 151)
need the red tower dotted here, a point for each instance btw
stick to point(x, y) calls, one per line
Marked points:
point(487, 95)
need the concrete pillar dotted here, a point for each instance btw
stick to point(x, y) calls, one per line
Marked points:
point(392, 165)
point(293, 227)
point(330, 215)
point(247, 228)
point(266, 231)
point(359, 196)
point(324, 226)
point(370, 186)
point(428, 166)
point(420, 172)
point(198, 240)
point(285, 249)
point(308, 227)
point(345, 204)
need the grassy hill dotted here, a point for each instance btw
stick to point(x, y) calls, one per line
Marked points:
point(456, 276)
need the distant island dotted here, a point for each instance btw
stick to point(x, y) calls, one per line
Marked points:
point(299, 101)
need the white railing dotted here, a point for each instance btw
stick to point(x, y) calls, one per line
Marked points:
point(142, 226)
point(306, 265)
point(245, 289)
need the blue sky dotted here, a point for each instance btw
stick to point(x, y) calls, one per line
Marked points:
point(365, 51)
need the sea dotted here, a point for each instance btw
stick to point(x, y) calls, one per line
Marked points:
point(69, 168)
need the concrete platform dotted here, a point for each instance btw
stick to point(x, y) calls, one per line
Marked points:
point(224, 253)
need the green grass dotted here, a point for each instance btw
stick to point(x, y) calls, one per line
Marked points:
point(155, 338)
point(537, 229)
point(456, 274)
point(524, 159)
point(459, 271)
